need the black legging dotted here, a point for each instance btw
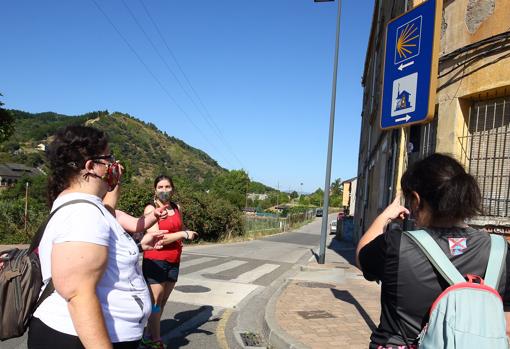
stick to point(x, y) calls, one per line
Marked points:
point(41, 336)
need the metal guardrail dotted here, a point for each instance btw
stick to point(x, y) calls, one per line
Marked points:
point(265, 223)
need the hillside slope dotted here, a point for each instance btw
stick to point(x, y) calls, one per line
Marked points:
point(141, 147)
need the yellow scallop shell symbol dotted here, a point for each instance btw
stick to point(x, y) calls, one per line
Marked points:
point(405, 40)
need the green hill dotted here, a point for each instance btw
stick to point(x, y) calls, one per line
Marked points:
point(141, 147)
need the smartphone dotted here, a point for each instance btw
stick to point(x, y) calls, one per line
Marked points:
point(409, 222)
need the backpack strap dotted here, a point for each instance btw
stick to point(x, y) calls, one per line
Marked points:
point(497, 258)
point(39, 234)
point(436, 256)
point(48, 290)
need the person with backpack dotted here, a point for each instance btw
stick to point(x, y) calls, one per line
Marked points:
point(445, 284)
point(101, 299)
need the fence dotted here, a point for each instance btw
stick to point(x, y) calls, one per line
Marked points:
point(266, 223)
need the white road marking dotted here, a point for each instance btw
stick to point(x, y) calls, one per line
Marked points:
point(216, 269)
point(256, 273)
point(192, 262)
point(222, 293)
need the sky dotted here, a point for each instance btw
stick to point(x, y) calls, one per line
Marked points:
point(248, 82)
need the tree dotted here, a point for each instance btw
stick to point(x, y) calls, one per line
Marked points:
point(316, 197)
point(336, 187)
point(294, 195)
point(232, 185)
point(6, 123)
point(304, 200)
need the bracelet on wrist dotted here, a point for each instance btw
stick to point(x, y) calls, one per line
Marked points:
point(187, 235)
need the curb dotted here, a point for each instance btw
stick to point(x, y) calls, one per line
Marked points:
point(276, 336)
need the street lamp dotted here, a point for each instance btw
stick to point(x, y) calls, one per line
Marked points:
point(324, 228)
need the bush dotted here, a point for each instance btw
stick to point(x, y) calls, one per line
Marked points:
point(12, 229)
point(134, 197)
point(211, 217)
point(214, 218)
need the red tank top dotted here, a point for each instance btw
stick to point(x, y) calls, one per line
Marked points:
point(171, 252)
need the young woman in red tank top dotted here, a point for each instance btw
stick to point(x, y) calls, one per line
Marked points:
point(161, 267)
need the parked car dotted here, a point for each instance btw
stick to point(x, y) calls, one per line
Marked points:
point(332, 227)
point(318, 212)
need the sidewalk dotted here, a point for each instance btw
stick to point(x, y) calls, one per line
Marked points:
point(325, 306)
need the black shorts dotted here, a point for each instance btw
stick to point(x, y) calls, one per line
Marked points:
point(41, 336)
point(157, 272)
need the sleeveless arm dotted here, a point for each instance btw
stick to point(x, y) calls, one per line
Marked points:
point(149, 210)
point(135, 224)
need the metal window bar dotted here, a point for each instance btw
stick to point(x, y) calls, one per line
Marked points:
point(428, 138)
point(485, 149)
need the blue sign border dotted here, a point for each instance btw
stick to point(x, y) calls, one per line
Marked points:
point(419, 67)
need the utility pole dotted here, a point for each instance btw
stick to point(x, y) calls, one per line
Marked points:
point(324, 227)
point(246, 194)
point(277, 194)
point(26, 206)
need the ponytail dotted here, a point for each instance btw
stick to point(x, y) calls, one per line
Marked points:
point(444, 185)
point(460, 197)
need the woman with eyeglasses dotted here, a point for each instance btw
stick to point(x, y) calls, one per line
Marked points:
point(161, 267)
point(101, 298)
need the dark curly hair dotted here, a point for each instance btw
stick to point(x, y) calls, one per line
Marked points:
point(67, 154)
point(444, 185)
point(163, 177)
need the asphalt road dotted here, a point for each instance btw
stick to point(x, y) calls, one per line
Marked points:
point(223, 288)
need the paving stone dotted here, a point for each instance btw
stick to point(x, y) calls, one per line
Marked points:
point(349, 301)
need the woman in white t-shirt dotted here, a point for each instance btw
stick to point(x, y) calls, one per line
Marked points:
point(101, 299)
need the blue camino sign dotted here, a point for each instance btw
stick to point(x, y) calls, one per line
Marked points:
point(410, 66)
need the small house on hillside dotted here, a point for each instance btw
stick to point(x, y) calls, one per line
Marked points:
point(10, 173)
point(251, 211)
point(256, 196)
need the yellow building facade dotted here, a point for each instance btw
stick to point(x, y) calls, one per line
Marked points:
point(472, 119)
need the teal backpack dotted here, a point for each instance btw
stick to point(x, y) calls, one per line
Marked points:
point(467, 314)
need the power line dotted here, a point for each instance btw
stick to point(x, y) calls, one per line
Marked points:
point(211, 122)
point(152, 74)
point(147, 37)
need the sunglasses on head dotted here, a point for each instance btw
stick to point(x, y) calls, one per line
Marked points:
point(109, 157)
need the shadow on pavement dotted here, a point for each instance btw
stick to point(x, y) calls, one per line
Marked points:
point(346, 296)
point(315, 255)
point(201, 315)
point(346, 249)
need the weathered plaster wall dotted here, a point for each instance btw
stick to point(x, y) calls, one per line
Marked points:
point(467, 22)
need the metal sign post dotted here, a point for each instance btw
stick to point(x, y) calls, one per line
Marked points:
point(410, 66)
point(324, 226)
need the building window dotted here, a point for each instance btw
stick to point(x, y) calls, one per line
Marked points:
point(422, 141)
point(486, 153)
point(428, 138)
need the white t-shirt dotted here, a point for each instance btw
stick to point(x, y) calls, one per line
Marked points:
point(122, 291)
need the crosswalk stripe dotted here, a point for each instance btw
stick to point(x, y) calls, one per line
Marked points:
point(218, 268)
point(256, 273)
point(193, 262)
point(222, 293)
